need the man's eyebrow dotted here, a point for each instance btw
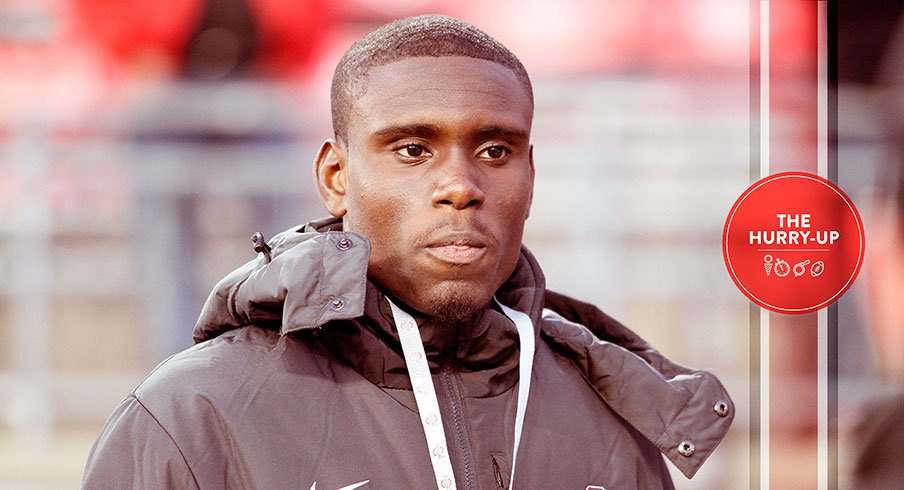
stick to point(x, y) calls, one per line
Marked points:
point(432, 130)
point(419, 130)
point(491, 132)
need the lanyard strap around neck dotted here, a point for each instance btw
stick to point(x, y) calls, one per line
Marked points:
point(425, 392)
point(525, 368)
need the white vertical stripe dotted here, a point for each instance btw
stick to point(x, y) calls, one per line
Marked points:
point(822, 93)
point(764, 315)
point(764, 88)
point(822, 161)
point(822, 397)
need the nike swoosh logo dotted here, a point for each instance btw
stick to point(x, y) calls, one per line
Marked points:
point(353, 486)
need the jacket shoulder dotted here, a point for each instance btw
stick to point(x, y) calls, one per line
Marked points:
point(684, 412)
point(210, 367)
point(210, 398)
point(117, 460)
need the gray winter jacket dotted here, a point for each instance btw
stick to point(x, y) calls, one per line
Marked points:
point(298, 381)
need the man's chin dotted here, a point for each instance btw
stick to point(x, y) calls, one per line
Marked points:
point(451, 305)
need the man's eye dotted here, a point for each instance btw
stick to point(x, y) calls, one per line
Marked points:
point(413, 151)
point(494, 152)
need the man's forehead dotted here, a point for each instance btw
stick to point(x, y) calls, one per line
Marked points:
point(417, 89)
point(428, 68)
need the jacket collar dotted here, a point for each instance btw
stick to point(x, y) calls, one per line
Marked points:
point(483, 353)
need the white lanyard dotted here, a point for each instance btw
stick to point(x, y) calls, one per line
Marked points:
point(425, 393)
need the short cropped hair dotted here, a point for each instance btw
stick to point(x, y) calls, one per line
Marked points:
point(423, 35)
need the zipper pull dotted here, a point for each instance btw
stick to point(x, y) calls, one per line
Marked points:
point(497, 473)
point(260, 246)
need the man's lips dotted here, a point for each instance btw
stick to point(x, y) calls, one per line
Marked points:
point(457, 254)
point(458, 248)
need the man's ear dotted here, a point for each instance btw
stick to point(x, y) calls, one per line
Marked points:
point(332, 179)
point(530, 199)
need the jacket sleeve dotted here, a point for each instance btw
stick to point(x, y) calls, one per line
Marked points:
point(135, 452)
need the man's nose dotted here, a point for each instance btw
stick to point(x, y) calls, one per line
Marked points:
point(458, 183)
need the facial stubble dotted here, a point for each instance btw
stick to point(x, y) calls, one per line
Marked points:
point(451, 305)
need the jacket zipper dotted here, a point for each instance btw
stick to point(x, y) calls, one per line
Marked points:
point(497, 473)
point(460, 431)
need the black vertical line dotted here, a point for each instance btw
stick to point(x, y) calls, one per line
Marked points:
point(832, 397)
point(832, 313)
point(832, 79)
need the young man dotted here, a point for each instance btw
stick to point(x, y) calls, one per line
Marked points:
point(409, 341)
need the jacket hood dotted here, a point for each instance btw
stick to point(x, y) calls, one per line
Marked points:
point(314, 274)
point(317, 273)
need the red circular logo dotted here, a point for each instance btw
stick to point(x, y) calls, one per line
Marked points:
point(793, 242)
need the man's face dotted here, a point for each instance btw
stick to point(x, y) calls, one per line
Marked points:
point(438, 174)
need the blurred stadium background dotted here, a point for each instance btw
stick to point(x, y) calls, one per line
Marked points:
point(142, 143)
